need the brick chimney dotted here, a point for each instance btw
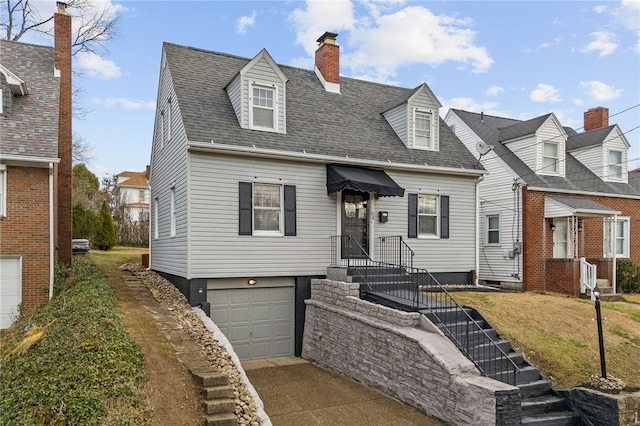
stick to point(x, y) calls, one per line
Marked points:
point(596, 118)
point(328, 62)
point(62, 54)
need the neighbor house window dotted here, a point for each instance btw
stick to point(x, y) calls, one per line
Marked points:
point(422, 134)
point(172, 197)
point(3, 190)
point(428, 216)
point(267, 209)
point(155, 218)
point(141, 195)
point(615, 164)
point(621, 240)
point(492, 229)
point(550, 157)
point(263, 111)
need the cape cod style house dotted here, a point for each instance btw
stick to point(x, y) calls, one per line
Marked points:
point(264, 175)
point(35, 168)
point(558, 207)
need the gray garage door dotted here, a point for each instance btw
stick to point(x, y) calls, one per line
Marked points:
point(10, 290)
point(259, 322)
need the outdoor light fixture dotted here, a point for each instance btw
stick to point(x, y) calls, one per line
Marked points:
point(252, 281)
point(553, 226)
point(596, 294)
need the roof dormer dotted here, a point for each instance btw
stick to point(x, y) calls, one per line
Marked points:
point(258, 94)
point(540, 143)
point(415, 117)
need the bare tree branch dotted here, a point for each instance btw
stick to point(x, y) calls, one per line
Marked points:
point(81, 150)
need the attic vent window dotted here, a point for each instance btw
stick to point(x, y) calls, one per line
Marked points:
point(263, 109)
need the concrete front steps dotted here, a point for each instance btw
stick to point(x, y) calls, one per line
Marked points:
point(217, 394)
point(606, 292)
point(541, 405)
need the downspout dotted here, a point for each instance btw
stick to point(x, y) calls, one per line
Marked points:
point(51, 233)
point(613, 251)
point(477, 275)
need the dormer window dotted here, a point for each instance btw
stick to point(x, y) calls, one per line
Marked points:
point(550, 158)
point(263, 110)
point(615, 165)
point(423, 129)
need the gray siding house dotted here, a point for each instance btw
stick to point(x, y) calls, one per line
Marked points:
point(259, 172)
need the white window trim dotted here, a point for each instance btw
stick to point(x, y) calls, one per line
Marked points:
point(437, 215)
point(172, 203)
point(155, 218)
point(486, 229)
point(266, 86)
point(161, 129)
point(543, 169)
point(432, 130)
point(620, 165)
point(258, 232)
point(626, 242)
point(3, 190)
point(169, 114)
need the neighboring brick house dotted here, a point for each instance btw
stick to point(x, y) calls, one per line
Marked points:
point(132, 195)
point(551, 198)
point(35, 159)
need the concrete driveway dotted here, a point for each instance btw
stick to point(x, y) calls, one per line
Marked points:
point(296, 392)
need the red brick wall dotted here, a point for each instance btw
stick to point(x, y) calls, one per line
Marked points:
point(62, 53)
point(328, 62)
point(538, 274)
point(25, 230)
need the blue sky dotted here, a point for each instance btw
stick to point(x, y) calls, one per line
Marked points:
point(515, 59)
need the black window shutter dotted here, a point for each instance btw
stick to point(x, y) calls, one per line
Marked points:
point(289, 210)
point(444, 216)
point(245, 204)
point(413, 216)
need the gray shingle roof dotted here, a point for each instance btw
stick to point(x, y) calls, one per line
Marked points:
point(587, 139)
point(578, 176)
point(29, 125)
point(522, 128)
point(349, 124)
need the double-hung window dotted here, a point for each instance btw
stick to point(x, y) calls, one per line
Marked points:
point(141, 195)
point(263, 107)
point(621, 240)
point(422, 129)
point(3, 190)
point(550, 157)
point(267, 209)
point(615, 165)
point(492, 236)
point(428, 216)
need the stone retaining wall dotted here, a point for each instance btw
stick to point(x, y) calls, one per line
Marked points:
point(403, 355)
point(602, 409)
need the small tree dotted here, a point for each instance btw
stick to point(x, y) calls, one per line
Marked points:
point(84, 222)
point(105, 237)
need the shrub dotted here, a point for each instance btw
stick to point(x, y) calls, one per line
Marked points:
point(105, 237)
point(628, 276)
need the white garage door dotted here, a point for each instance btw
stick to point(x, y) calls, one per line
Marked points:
point(10, 290)
point(259, 322)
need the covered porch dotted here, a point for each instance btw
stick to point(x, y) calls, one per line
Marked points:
point(583, 245)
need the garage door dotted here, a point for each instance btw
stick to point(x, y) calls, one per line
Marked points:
point(10, 290)
point(259, 322)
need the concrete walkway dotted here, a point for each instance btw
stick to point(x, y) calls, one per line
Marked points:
point(296, 392)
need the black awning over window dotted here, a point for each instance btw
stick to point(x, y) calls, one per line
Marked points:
point(340, 178)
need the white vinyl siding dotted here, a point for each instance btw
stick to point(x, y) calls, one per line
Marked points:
point(397, 119)
point(170, 168)
point(172, 210)
point(496, 195)
point(155, 219)
point(169, 118)
point(234, 91)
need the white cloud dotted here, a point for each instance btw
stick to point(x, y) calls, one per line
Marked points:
point(383, 38)
point(124, 103)
point(96, 66)
point(605, 43)
point(600, 91)
point(545, 93)
point(600, 9)
point(246, 21)
point(628, 14)
point(469, 104)
point(494, 90)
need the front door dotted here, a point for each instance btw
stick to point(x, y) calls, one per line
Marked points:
point(355, 224)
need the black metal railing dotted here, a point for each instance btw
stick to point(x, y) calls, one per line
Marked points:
point(401, 284)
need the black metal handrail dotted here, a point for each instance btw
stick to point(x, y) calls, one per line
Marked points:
point(395, 277)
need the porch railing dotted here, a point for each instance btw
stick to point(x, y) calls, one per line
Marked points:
point(393, 250)
point(588, 276)
point(418, 290)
